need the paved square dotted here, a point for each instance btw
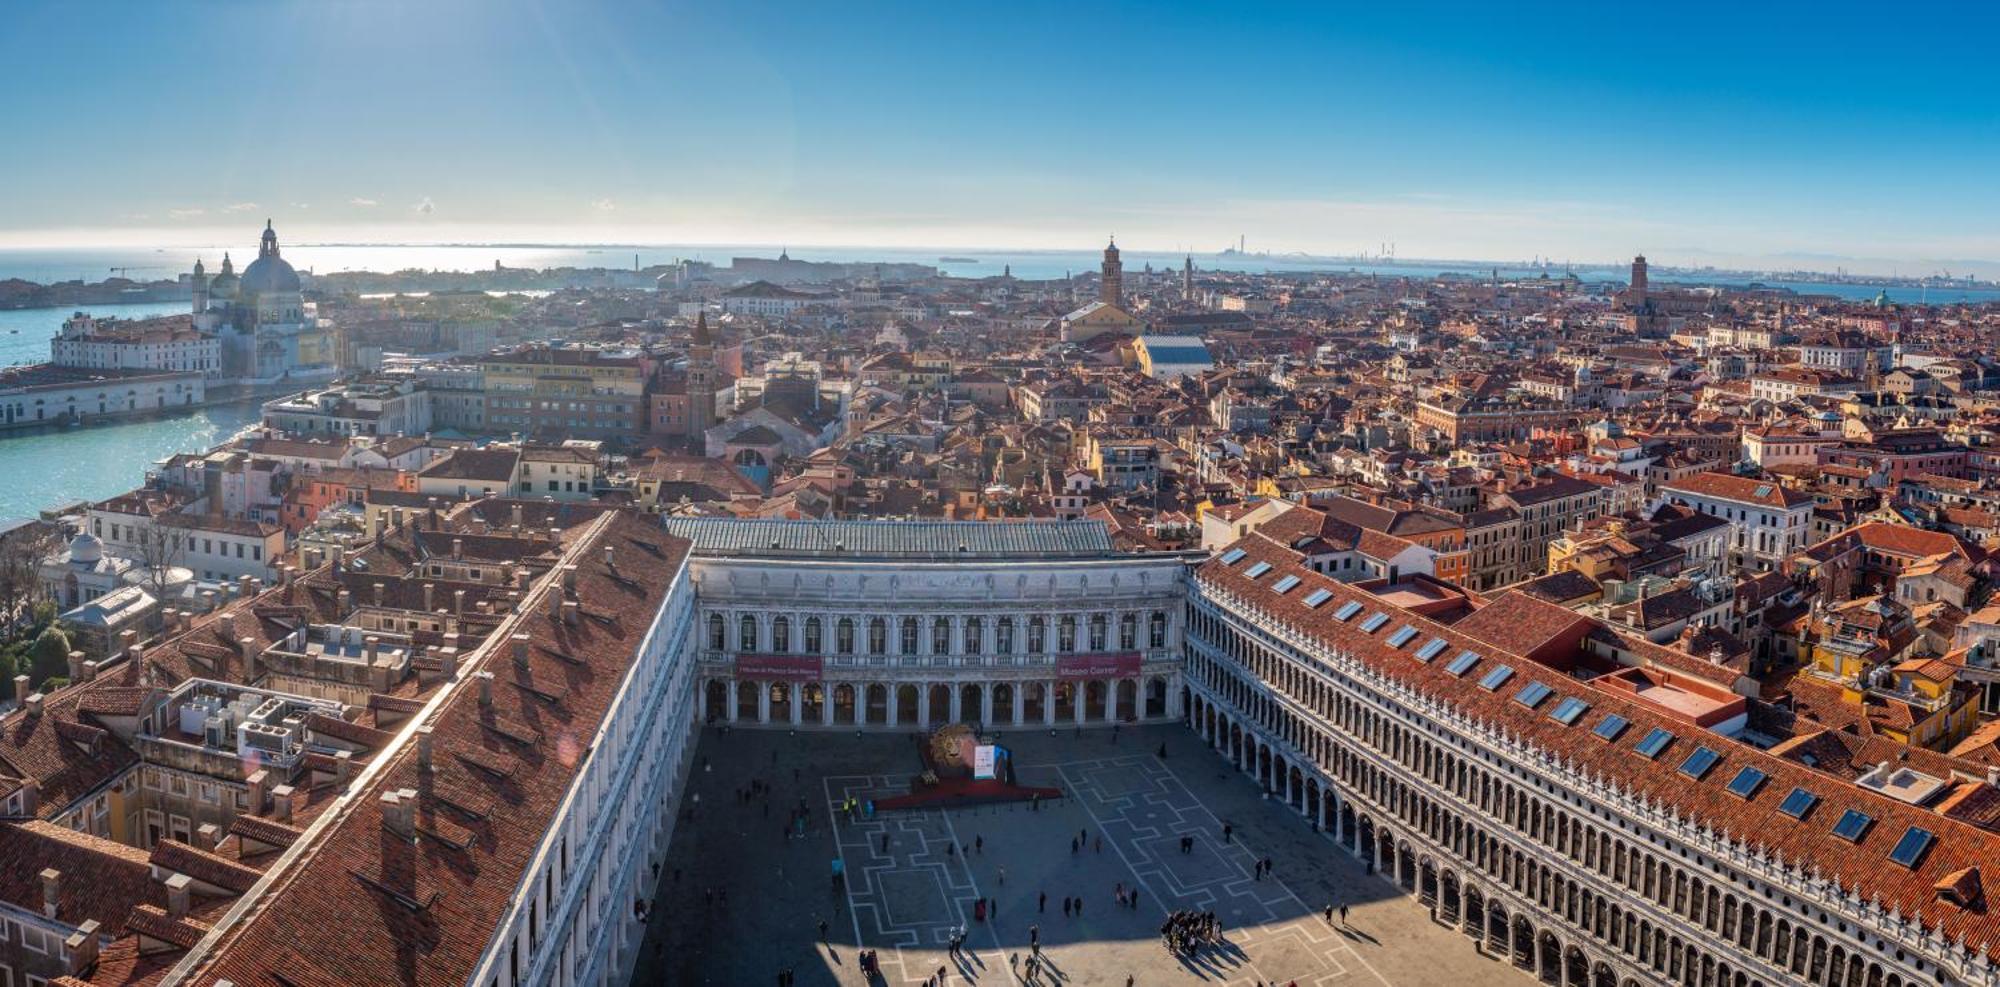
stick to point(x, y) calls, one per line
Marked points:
point(739, 900)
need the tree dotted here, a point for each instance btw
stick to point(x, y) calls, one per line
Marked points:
point(159, 548)
point(49, 657)
point(21, 555)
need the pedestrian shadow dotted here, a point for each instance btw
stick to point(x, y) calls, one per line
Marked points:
point(1354, 933)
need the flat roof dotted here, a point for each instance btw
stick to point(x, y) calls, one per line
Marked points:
point(780, 538)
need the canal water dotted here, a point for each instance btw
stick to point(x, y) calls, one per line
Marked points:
point(45, 467)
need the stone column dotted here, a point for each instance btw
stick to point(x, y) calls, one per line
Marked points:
point(1020, 702)
point(763, 704)
point(1077, 697)
point(985, 703)
point(957, 703)
point(732, 700)
point(1111, 701)
point(891, 686)
point(924, 705)
point(701, 703)
point(1174, 705)
point(1049, 703)
point(826, 703)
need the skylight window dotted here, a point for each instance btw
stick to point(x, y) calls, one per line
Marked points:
point(1402, 636)
point(1284, 585)
point(1762, 492)
point(1654, 742)
point(1496, 677)
point(1533, 694)
point(1374, 622)
point(1798, 803)
point(1911, 847)
point(1611, 727)
point(1430, 649)
point(1746, 782)
point(1463, 663)
point(1567, 711)
point(1699, 763)
point(1853, 825)
point(1347, 611)
point(1257, 570)
point(1233, 556)
point(1318, 596)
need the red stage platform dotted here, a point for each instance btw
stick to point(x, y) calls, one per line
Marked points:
point(952, 793)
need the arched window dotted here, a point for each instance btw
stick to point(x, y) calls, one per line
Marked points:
point(716, 640)
point(781, 634)
point(1038, 635)
point(812, 635)
point(1097, 634)
point(1066, 633)
point(909, 635)
point(878, 636)
point(746, 633)
point(1003, 636)
point(843, 636)
point(1128, 631)
point(1159, 629)
point(975, 636)
point(940, 636)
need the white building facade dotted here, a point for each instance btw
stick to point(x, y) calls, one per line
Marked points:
point(910, 625)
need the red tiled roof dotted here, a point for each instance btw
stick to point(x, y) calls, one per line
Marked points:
point(1807, 843)
point(1741, 489)
point(349, 905)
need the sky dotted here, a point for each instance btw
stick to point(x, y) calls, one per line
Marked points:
point(1763, 135)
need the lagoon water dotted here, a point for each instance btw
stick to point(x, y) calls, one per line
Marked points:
point(167, 262)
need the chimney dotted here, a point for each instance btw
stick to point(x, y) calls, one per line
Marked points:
point(380, 588)
point(485, 688)
point(371, 646)
point(21, 691)
point(569, 578)
point(520, 651)
point(247, 647)
point(458, 601)
point(424, 748)
point(610, 562)
point(81, 948)
point(51, 891)
point(555, 606)
point(134, 656)
point(247, 586)
point(429, 591)
point(399, 812)
point(35, 704)
point(126, 639)
point(31, 797)
point(76, 668)
point(516, 514)
point(458, 548)
point(208, 836)
point(281, 803)
point(569, 611)
point(178, 892)
point(346, 601)
point(259, 780)
point(89, 670)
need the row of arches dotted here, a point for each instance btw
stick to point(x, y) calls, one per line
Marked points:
point(1067, 633)
point(922, 704)
point(1313, 742)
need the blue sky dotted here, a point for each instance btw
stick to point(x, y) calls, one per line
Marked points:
point(1830, 134)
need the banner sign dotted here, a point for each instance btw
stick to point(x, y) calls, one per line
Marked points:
point(1116, 664)
point(780, 668)
point(982, 762)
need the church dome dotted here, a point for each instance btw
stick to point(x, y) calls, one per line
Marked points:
point(269, 272)
point(86, 548)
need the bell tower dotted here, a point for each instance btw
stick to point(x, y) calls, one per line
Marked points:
point(1111, 287)
point(700, 382)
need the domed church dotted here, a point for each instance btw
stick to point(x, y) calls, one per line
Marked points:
point(261, 316)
